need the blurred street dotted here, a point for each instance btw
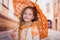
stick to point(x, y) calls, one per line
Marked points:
point(53, 35)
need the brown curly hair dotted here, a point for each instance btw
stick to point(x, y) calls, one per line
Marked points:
point(34, 14)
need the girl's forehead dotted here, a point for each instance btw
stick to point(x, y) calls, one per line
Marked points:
point(29, 9)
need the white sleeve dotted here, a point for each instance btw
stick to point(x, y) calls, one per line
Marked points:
point(37, 37)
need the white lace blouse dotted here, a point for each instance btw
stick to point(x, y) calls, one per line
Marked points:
point(26, 34)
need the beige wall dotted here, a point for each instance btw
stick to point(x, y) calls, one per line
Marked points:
point(9, 24)
point(56, 26)
point(0, 5)
point(56, 14)
point(13, 21)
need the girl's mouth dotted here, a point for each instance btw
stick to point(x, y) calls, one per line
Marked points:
point(26, 18)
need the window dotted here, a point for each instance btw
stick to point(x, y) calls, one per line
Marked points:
point(56, 23)
point(0, 5)
point(58, 1)
point(6, 3)
point(48, 7)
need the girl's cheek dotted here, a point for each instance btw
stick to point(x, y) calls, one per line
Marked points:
point(24, 15)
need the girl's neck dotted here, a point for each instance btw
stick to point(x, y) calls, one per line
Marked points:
point(28, 23)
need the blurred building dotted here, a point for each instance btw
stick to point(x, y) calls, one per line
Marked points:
point(51, 9)
point(7, 18)
point(56, 14)
point(47, 8)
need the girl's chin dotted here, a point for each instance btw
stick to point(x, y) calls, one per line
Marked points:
point(27, 21)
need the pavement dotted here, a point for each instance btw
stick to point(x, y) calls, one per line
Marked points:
point(52, 35)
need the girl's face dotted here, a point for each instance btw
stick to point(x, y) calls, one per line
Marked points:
point(28, 15)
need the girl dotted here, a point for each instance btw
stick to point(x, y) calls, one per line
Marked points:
point(41, 17)
point(29, 25)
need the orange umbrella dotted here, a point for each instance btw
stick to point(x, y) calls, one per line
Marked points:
point(20, 4)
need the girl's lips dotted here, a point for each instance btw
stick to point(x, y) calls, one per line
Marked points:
point(26, 18)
